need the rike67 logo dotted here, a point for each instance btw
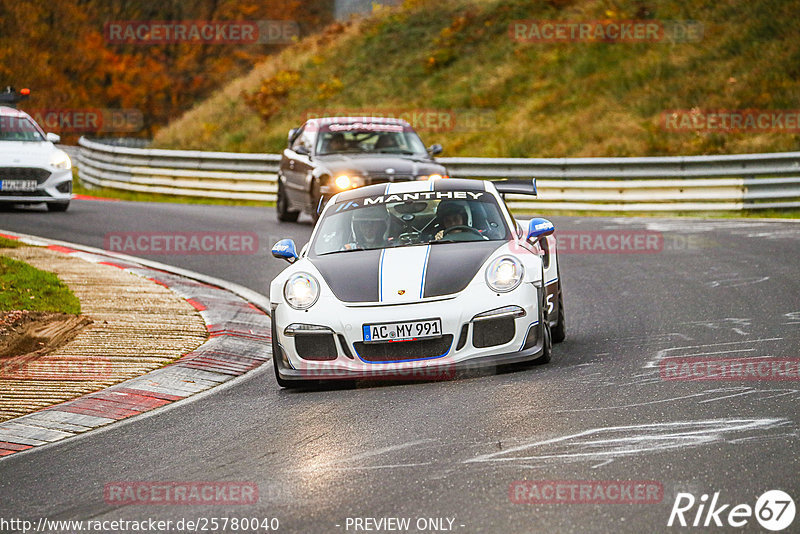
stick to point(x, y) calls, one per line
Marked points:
point(774, 510)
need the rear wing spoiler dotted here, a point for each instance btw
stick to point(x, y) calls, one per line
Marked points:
point(525, 186)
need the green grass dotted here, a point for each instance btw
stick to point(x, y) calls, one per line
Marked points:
point(10, 243)
point(23, 287)
point(135, 196)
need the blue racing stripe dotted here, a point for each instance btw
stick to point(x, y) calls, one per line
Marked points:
point(380, 277)
point(424, 269)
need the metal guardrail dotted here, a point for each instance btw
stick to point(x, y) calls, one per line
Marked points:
point(683, 183)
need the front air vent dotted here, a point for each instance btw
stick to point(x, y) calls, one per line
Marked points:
point(492, 332)
point(24, 173)
point(317, 347)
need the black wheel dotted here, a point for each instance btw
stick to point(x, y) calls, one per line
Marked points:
point(547, 335)
point(57, 206)
point(282, 206)
point(560, 330)
point(547, 353)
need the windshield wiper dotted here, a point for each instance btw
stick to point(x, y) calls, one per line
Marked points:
point(344, 250)
point(404, 152)
point(440, 241)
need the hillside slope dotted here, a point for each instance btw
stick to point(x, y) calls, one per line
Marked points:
point(522, 99)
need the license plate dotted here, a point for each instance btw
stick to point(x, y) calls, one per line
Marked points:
point(17, 185)
point(402, 331)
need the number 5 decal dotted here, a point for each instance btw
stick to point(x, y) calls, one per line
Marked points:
point(549, 302)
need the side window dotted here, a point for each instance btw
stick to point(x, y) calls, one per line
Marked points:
point(298, 138)
point(306, 139)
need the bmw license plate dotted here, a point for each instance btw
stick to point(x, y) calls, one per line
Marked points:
point(17, 185)
point(402, 331)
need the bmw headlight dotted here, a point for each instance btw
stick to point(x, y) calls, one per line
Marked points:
point(60, 160)
point(504, 274)
point(301, 291)
point(348, 181)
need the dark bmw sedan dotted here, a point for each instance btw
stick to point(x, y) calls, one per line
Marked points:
point(328, 155)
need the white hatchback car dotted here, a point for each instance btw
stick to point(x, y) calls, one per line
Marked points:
point(32, 168)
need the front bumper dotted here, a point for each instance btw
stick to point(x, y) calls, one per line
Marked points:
point(467, 350)
point(56, 188)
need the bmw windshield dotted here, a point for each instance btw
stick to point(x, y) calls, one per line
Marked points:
point(409, 219)
point(369, 137)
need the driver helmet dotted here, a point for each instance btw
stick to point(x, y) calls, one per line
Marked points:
point(369, 226)
point(449, 211)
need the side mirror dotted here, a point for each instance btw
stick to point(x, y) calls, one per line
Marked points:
point(285, 250)
point(435, 150)
point(290, 137)
point(538, 228)
point(53, 138)
point(302, 150)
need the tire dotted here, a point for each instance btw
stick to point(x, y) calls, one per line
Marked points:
point(547, 336)
point(559, 332)
point(57, 206)
point(547, 353)
point(282, 205)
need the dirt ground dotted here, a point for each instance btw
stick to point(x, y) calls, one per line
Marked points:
point(31, 334)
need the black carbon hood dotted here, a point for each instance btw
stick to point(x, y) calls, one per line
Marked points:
point(429, 270)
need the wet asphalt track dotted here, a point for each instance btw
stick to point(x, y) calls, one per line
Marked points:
point(600, 411)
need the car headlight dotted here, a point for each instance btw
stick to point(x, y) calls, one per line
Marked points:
point(504, 274)
point(347, 181)
point(60, 160)
point(301, 291)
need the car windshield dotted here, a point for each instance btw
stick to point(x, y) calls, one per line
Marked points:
point(376, 138)
point(409, 219)
point(18, 129)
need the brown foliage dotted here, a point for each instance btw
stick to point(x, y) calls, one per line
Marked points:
point(59, 50)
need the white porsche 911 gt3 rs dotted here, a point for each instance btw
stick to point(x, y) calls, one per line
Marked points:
point(416, 280)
